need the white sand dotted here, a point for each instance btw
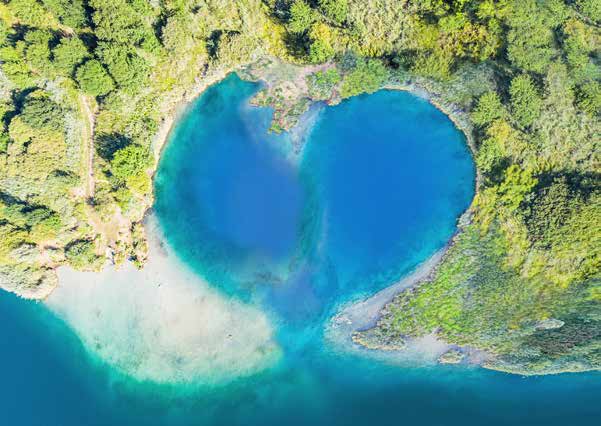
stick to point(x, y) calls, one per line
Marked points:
point(364, 314)
point(163, 324)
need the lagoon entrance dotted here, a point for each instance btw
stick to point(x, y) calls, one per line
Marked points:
point(291, 238)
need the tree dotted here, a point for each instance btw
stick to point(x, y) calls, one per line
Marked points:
point(68, 54)
point(41, 112)
point(93, 78)
point(320, 51)
point(550, 209)
point(128, 69)
point(301, 16)
point(335, 10)
point(29, 12)
point(37, 52)
point(81, 254)
point(517, 184)
point(526, 103)
point(489, 109)
point(130, 161)
point(176, 34)
point(589, 98)
point(69, 12)
point(124, 22)
point(4, 141)
point(590, 8)
point(530, 40)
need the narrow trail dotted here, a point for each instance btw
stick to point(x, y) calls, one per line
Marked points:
point(89, 137)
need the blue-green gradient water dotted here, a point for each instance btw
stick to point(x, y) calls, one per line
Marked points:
point(376, 190)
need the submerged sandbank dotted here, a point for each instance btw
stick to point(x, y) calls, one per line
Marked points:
point(163, 323)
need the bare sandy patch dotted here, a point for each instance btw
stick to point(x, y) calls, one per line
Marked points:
point(163, 323)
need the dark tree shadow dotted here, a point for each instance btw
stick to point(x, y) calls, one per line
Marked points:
point(107, 144)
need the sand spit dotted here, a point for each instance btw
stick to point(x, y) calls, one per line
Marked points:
point(163, 324)
point(363, 315)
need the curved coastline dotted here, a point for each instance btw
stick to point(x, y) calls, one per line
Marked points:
point(367, 311)
point(364, 314)
point(163, 324)
point(369, 308)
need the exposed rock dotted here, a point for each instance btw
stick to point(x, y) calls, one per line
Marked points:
point(549, 324)
point(452, 356)
point(373, 339)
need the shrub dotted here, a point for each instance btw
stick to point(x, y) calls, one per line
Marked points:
point(322, 83)
point(367, 77)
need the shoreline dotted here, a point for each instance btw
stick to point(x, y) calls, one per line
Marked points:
point(163, 324)
point(366, 312)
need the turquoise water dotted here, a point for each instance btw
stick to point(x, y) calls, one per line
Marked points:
point(376, 190)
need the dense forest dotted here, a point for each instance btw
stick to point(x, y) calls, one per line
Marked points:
point(87, 88)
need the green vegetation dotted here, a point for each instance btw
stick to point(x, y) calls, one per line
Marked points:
point(525, 101)
point(301, 16)
point(93, 78)
point(322, 83)
point(365, 77)
point(86, 86)
point(81, 254)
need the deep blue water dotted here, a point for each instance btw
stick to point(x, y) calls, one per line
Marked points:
point(377, 189)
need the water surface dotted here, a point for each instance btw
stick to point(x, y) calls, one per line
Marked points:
point(376, 190)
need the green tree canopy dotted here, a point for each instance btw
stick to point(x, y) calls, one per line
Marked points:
point(590, 8)
point(68, 54)
point(367, 77)
point(93, 78)
point(37, 52)
point(129, 70)
point(526, 102)
point(130, 161)
point(41, 112)
point(530, 39)
point(336, 10)
point(489, 108)
point(120, 21)
point(81, 254)
point(69, 12)
point(301, 16)
point(29, 12)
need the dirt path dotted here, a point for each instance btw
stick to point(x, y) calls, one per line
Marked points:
point(89, 140)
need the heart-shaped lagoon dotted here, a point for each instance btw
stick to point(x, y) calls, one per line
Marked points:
point(377, 189)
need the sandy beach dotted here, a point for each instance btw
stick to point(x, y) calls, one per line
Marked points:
point(163, 323)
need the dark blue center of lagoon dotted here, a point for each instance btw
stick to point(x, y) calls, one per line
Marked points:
point(377, 189)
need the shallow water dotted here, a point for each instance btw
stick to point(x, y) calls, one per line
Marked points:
point(376, 191)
